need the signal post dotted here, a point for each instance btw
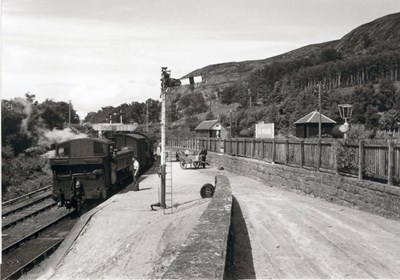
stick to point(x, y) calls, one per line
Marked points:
point(166, 83)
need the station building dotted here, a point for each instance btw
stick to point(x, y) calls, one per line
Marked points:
point(308, 126)
point(211, 129)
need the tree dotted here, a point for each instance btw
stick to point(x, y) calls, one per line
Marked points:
point(330, 55)
point(191, 122)
point(210, 116)
point(390, 120)
point(386, 95)
point(193, 103)
point(371, 117)
point(52, 118)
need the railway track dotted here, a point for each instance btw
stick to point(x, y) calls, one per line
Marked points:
point(14, 205)
point(32, 229)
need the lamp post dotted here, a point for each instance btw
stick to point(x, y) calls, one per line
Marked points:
point(345, 111)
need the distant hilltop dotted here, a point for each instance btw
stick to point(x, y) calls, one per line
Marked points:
point(378, 36)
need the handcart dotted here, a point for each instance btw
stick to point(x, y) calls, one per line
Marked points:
point(191, 161)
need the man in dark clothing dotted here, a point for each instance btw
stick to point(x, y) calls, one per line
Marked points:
point(203, 155)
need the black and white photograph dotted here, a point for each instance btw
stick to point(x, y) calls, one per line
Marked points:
point(208, 139)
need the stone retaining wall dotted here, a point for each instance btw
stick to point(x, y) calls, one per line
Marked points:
point(364, 195)
point(204, 253)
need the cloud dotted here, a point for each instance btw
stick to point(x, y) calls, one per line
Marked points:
point(100, 53)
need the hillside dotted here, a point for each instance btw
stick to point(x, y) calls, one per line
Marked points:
point(365, 55)
point(382, 34)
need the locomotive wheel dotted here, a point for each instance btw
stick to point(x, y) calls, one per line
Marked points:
point(182, 164)
point(196, 164)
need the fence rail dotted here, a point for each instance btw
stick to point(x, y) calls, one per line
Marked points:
point(367, 161)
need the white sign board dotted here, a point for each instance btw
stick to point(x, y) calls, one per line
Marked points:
point(265, 130)
point(114, 127)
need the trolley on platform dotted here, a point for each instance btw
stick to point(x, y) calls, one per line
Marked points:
point(187, 160)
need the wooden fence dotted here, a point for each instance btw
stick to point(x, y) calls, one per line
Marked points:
point(367, 161)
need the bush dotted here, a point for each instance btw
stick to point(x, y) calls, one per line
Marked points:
point(23, 174)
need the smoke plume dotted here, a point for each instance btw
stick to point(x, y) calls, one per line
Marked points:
point(27, 110)
point(55, 136)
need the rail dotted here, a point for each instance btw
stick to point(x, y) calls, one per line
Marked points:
point(15, 244)
point(32, 263)
point(25, 196)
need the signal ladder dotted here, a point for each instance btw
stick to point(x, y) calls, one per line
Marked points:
point(169, 204)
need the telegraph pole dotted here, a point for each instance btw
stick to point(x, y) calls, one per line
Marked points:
point(147, 116)
point(319, 105)
point(230, 121)
point(69, 113)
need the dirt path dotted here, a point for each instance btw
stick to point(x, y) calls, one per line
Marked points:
point(296, 236)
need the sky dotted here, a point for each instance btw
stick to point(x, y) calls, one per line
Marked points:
point(100, 53)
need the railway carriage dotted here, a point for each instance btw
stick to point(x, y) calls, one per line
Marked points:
point(141, 144)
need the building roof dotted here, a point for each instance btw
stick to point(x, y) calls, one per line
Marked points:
point(313, 117)
point(206, 125)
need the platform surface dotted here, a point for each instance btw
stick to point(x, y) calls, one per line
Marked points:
point(290, 235)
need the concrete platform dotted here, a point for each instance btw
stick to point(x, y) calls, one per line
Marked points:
point(123, 239)
point(282, 234)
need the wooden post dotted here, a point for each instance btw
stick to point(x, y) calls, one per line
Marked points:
point(301, 153)
point(262, 149)
point(318, 154)
point(273, 150)
point(337, 159)
point(224, 146)
point(244, 147)
point(252, 148)
point(390, 162)
point(361, 160)
point(286, 151)
point(237, 147)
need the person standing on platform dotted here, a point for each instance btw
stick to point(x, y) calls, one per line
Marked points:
point(203, 155)
point(135, 174)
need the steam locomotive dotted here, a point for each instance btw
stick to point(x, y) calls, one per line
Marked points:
point(94, 168)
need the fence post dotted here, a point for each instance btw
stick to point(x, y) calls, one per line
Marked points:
point(244, 147)
point(253, 148)
point(286, 151)
point(224, 146)
point(336, 151)
point(237, 146)
point(361, 160)
point(262, 149)
point(318, 154)
point(273, 150)
point(301, 153)
point(390, 162)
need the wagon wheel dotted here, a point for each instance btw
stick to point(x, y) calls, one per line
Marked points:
point(182, 164)
point(196, 164)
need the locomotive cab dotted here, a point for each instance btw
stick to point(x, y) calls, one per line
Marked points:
point(87, 169)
